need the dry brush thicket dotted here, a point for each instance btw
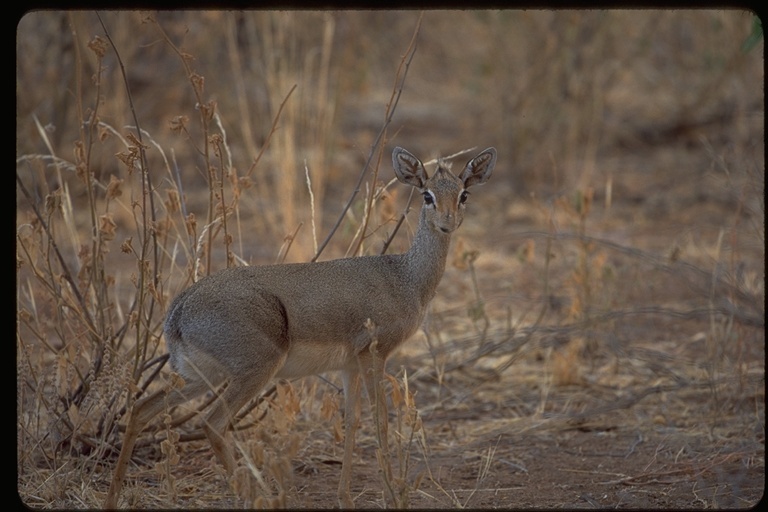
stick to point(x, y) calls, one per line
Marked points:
point(611, 277)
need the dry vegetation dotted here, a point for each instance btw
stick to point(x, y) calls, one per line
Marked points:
point(599, 337)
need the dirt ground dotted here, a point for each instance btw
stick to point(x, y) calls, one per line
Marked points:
point(668, 449)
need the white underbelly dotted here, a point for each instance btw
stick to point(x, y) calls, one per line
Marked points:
point(308, 358)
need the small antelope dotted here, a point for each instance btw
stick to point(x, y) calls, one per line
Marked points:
point(248, 325)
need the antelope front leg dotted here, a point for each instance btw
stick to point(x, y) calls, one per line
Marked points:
point(351, 381)
point(372, 368)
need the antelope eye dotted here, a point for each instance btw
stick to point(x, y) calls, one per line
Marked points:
point(463, 197)
point(428, 199)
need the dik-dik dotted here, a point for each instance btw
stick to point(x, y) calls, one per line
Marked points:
point(248, 325)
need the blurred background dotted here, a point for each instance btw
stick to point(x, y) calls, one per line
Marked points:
point(620, 241)
point(570, 98)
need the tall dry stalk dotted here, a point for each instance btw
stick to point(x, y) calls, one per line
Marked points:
point(285, 56)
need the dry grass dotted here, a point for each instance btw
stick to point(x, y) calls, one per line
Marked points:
point(606, 292)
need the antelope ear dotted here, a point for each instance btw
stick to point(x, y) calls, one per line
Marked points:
point(479, 169)
point(408, 168)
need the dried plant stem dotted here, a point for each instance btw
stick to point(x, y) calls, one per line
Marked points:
point(271, 130)
point(206, 111)
point(311, 206)
point(149, 236)
point(400, 75)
